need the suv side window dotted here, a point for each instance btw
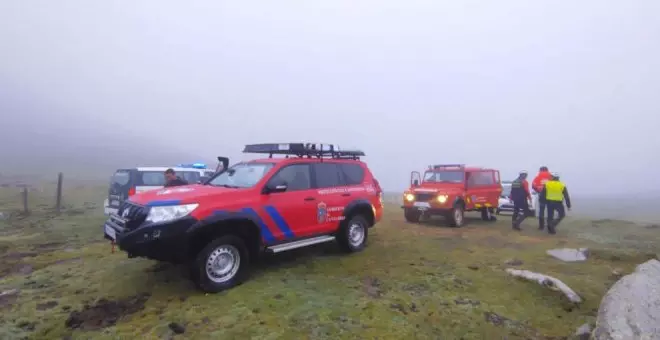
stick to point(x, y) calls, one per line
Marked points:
point(327, 175)
point(481, 178)
point(353, 173)
point(296, 177)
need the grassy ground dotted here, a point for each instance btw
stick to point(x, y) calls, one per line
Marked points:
point(424, 281)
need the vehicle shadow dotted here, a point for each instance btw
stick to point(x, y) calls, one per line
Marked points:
point(471, 219)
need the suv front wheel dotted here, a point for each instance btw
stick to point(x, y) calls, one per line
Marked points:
point(353, 235)
point(220, 265)
point(456, 216)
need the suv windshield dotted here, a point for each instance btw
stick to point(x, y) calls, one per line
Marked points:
point(443, 177)
point(242, 175)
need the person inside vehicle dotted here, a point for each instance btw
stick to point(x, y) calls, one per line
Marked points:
point(555, 193)
point(520, 196)
point(537, 185)
point(172, 180)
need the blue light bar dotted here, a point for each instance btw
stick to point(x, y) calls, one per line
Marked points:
point(192, 165)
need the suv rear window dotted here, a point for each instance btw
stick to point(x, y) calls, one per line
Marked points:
point(157, 178)
point(330, 175)
point(353, 173)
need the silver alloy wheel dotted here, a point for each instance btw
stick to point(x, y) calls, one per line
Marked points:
point(356, 234)
point(458, 216)
point(223, 263)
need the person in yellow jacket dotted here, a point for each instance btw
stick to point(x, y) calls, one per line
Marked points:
point(555, 193)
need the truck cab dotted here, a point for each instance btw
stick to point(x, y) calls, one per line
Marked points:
point(450, 190)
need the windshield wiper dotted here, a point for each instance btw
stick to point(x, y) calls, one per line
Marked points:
point(230, 186)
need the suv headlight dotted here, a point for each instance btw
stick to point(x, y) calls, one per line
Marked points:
point(442, 198)
point(170, 212)
point(409, 197)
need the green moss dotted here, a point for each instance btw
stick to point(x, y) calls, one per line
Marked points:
point(413, 281)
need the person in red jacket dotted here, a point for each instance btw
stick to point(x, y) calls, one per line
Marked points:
point(537, 185)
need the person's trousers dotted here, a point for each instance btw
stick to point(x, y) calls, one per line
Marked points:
point(520, 212)
point(555, 206)
point(542, 207)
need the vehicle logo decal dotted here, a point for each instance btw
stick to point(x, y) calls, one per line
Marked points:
point(124, 213)
point(174, 191)
point(321, 213)
point(474, 198)
point(279, 221)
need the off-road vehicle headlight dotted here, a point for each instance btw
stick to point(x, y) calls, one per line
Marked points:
point(409, 197)
point(442, 198)
point(169, 212)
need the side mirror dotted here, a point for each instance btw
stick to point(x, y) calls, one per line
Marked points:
point(272, 188)
point(416, 183)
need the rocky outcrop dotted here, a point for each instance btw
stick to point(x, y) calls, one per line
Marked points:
point(631, 308)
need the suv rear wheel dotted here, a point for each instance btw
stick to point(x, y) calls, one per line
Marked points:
point(220, 265)
point(412, 215)
point(353, 235)
point(456, 216)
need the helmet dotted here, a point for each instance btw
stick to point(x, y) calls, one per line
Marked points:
point(523, 172)
point(555, 175)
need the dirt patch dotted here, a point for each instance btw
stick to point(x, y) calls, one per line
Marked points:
point(417, 289)
point(23, 269)
point(45, 247)
point(47, 305)
point(105, 313)
point(373, 287)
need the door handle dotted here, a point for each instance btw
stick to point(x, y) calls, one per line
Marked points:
point(346, 194)
point(310, 198)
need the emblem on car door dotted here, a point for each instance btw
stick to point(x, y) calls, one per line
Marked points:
point(321, 212)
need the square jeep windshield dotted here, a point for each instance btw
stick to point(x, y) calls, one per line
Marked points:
point(242, 175)
point(444, 176)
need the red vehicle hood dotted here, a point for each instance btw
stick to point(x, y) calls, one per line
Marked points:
point(440, 188)
point(180, 194)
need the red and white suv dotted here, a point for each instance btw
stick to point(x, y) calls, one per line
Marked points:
point(316, 193)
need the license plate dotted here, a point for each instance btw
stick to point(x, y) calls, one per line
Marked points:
point(114, 203)
point(422, 205)
point(110, 232)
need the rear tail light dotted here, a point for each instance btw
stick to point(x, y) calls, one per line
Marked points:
point(131, 191)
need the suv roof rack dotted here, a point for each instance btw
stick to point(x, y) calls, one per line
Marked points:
point(445, 166)
point(301, 150)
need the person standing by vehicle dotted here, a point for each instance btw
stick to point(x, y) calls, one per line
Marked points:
point(520, 196)
point(537, 185)
point(555, 193)
point(172, 180)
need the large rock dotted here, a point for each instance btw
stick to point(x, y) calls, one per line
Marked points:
point(631, 308)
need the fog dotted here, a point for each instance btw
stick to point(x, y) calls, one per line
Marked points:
point(507, 84)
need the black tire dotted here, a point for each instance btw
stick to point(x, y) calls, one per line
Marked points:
point(227, 243)
point(456, 216)
point(488, 215)
point(349, 237)
point(412, 215)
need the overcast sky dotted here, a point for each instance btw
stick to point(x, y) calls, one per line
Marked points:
point(505, 84)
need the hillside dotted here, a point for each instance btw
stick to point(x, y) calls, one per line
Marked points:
point(38, 139)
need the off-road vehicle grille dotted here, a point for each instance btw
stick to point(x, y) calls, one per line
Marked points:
point(132, 214)
point(424, 197)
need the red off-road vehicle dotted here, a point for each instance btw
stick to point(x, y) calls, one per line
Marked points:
point(450, 190)
point(314, 194)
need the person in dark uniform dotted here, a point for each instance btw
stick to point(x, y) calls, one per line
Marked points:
point(520, 197)
point(172, 180)
point(555, 193)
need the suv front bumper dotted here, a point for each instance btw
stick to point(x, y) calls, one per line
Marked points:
point(156, 241)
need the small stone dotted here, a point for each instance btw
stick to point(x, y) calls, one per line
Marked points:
point(413, 308)
point(473, 267)
point(177, 328)
point(278, 296)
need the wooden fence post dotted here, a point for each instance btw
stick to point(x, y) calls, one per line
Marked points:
point(26, 209)
point(58, 201)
